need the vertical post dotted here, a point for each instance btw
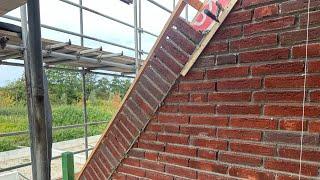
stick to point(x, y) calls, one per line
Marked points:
point(174, 5)
point(140, 33)
point(85, 115)
point(67, 166)
point(24, 28)
point(187, 13)
point(38, 102)
point(135, 6)
point(81, 22)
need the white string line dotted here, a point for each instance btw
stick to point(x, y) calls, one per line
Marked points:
point(304, 91)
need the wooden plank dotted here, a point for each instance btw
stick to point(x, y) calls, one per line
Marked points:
point(207, 38)
point(9, 5)
point(176, 13)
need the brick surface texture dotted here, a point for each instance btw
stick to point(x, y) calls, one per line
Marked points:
point(237, 113)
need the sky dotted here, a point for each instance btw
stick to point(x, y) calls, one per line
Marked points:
point(61, 15)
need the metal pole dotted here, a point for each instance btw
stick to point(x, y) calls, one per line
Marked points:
point(39, 124)
point(139, 26)
point(24, 27)
point(85, 115)
point(174, 5)
point(187, 13)
point(135, 6)
point(81, 22)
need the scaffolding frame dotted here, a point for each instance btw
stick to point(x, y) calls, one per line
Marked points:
point(49, 50)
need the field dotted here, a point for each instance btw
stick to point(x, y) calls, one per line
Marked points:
point(14, 118)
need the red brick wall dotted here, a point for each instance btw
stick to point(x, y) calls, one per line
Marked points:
point(238, 112)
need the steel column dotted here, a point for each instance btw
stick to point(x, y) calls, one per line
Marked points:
point(136, 34)
point(85, 115)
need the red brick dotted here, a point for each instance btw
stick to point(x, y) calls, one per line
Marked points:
point(299, 36)
point(239, 134)
point(162, 70)
point(292, 82)
point(187, 30)
point(226, 59)
point(247, 3)
point(208, 166)
point(256, 42)
point(136, 153)
point(280, 68)
point(170, 128)
point(151, 74)
point(153, 127)
point(290, 138)
point(151, 146)
point(308, 155)
point(173, 119)
point(193, 75)
point(209, 143)
point(243, 84)
point(276, 96)
point(314, 66)
point(209, 120)
point(314, 126)
point(157, 175)
point(207, 154)
point(151, 156)
point(197, 109)
point(148, 136)
point(170, 138)
point(292, 125)
point(293, 167)
point(251, 148)
point(230, 97)
point(147, 109)
point(179, 39)
point(250, 173)
point(153, 102)
point(300, 51)
point(205, 62)
point(206, 176)
point(152, 165)
point(269, 25)
point(228, 72)
point(264, 55)
point(240, 159)
point(266, 11)
point(199, 97)
point(169, 108)
point(197, 131)
point(215, 48)
point(256, 123)
point(132, 170)
point(314, 18)
point(298, 5)
point(176, 53)
point(238, 109)
point(277, 110)
point(197, 86)
point(183, 172)
point(227, 33)
point(131, 162)
point(173, 159)
point(238, 17)
point(174, 98)
point(182, 150)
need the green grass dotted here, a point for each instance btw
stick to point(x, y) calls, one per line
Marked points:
point(15, 118)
